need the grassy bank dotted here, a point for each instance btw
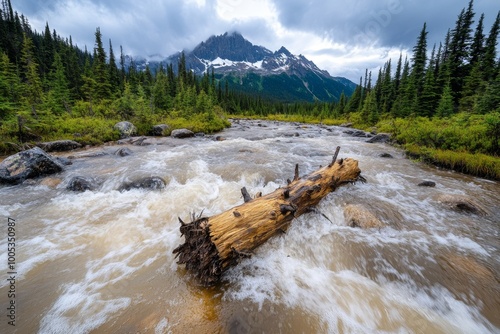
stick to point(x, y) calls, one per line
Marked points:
point(97, 130)
point(464, 142)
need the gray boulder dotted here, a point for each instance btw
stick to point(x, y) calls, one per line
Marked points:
point(123, 152)
point(59, 145)
point(160, 129)
point(80, 183)
point(126, 129)
point(380, 138)
point(182, 133)
point(358, 133)
point(28, 164)
point(151, 182)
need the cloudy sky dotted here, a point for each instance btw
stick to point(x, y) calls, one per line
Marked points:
point(341, 36)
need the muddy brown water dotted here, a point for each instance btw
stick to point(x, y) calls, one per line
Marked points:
point(101, 261)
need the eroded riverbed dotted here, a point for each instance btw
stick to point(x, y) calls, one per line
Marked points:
point(101, 261)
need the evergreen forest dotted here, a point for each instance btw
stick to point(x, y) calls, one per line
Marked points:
point(442, 104)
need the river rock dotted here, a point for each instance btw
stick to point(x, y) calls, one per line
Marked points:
point(462, 203)
point(358, 216)
point(64, 161)
point(346, 125)
point(152, 183)
point(126, 129)
point(80, 183)
point(123, 152)
point(386, 155)
point(380, 138)
point(358, 133)
point(28, 164)
point(59, 145)
point(427, 184)
point(182, 133)
point(160, 130)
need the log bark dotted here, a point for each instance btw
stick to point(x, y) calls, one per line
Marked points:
point(214, 244)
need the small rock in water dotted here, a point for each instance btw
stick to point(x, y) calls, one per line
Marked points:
point(123, 152)
point(182, 133)
point(80, 183)
point(380, 138)
point(386, 155)
point(358, 216)
point(152, 183)
point(427, 184)
point(64, 161)
point(462, 203)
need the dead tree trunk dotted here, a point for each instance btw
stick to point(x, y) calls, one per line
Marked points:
point(213, 244)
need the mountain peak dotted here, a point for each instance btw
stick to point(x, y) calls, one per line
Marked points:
point(251, 68)
point(284, 51)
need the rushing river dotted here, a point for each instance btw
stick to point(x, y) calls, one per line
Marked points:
point(101, 261)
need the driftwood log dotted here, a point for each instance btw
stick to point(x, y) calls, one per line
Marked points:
point(214, 244)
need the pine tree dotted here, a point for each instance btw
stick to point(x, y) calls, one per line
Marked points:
point(419, 61)
point(446, 105)
point(100, 71)
point(114, 75)
point(47, 57)
point(59, 94)
point(490, 100)
point(459, 59)
point(477, 47)
point(490, 53)
point(32, 83)
point(10, 89)
point(353, 104)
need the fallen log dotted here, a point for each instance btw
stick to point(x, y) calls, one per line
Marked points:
point(214, 244)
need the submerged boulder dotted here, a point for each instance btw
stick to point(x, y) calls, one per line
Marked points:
point(80, 183)
point(126, 129)
point(28, 164)
point(427, 184)
point(462, 203)
point(182, 133)
point(386, 155)
point(380, 138)
point(123, 152)
point(358, 216)
point(358, 133)
point(59, 145)
point(151, 182)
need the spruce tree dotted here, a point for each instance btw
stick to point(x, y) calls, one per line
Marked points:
point(59, 94)
point(477, 47)
point(99, 70)
point(490, 52)
point(419, 61)
point(114, 75)
point(32, 83)
point(353, 104)
point(446, 105)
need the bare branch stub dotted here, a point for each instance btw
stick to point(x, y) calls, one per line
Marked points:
point(335, 156)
